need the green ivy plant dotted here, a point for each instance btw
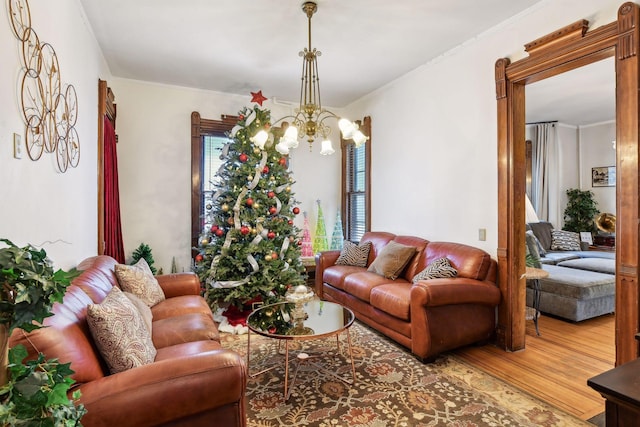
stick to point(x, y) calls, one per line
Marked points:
point(33, 393)
point(36, 394)
point(581, 210)
point(29, 286)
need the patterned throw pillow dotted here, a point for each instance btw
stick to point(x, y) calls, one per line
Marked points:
point(532, 254)
point(352, 254)
point(138, 279)
point(142, 308)
point(392, 259)
point(565, 240)
point(439, 269)
point(120, 333)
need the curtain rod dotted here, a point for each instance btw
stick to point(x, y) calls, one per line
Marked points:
point(541, 123)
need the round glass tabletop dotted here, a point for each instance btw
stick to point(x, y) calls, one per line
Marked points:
point(315, 319)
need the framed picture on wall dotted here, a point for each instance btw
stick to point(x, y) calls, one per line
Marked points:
point(603, 176)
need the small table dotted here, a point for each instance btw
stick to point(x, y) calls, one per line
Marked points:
point(619, 386)
point(535, 274)
point(323, 319)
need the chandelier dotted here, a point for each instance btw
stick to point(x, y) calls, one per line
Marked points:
point(309, 118)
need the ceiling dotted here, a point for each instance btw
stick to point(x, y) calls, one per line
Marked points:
point(242, 46)
point(583, 96)
point(238, 46)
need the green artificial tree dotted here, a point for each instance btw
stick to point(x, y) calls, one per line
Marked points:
point(581, 210)
point(143, 251)
point(252, 249)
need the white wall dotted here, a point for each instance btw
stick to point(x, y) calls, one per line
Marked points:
point(434, 130)
point(154, 161)
point(39, 205)
point(434, 143)
point(596, 150)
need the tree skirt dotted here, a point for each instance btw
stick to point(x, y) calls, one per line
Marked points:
point(392, 389)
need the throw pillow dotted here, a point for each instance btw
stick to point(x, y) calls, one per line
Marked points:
point(541, 250)
point(120, 333)
point(440, 268)
point(352, 254)
point(565, 241)
point(142, 308)
point(138, 279)
point(392, 259)
point(532, 255)
point(542, 231)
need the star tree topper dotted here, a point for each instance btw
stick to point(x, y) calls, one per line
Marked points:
point(258, 98)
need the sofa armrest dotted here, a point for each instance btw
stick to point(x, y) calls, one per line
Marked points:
point(178, 284)
point(439, 292)
point(323, 260)
point(167, 390)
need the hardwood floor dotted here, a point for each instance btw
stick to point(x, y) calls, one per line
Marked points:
point(555, 366)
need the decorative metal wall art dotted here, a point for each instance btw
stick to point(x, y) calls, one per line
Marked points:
point(49, 108)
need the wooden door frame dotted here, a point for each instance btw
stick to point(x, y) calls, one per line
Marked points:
point(566, 49)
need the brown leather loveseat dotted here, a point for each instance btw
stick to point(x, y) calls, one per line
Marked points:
point(193, 380)
point(428, 317)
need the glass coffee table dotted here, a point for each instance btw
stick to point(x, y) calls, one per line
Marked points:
point(288, 322)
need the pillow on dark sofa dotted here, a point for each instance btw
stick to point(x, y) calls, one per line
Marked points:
point(565, 241)
point(542, 230)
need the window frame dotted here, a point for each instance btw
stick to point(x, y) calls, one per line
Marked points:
point(200, 128)
point(346, 145)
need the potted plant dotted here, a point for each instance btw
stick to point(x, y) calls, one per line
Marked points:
point(581, 210)
point(35, 392)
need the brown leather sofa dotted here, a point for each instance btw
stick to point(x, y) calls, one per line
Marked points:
point(193, 380)
point(429, 317)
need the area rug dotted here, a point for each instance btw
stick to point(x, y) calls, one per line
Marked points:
point(392, 388)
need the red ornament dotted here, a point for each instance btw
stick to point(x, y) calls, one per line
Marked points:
point(199, 258)
point(219, 232)
point(265, 169)
point(272, 330)
point(296, 210)
point(241, 116)
point(249, 202)
point(273, 210)
point(243, 157)
point(214, 228)
point(257, 97)
point(274, 255)
point(290, 222)
point(271, 235)
point(282, 161)
point(244, 230)
point(271, 194)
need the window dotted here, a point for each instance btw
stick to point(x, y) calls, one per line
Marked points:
point(356, 185)
point(207, 139)
point(212, 146)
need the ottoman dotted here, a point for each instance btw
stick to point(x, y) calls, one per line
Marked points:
point(575, 294)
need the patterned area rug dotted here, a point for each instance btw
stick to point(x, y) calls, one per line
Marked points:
point(392, 388)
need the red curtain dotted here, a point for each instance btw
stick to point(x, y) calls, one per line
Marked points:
point(112, 226)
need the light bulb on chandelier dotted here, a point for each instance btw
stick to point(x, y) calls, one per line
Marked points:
point(309, 118)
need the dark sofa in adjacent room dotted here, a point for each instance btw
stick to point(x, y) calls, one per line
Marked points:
point(581, 284)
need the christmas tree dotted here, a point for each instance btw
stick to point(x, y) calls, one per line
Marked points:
point(143, 251)
point(320, 238)
point(307, 247)
point(337, 238)
point(251, 250)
